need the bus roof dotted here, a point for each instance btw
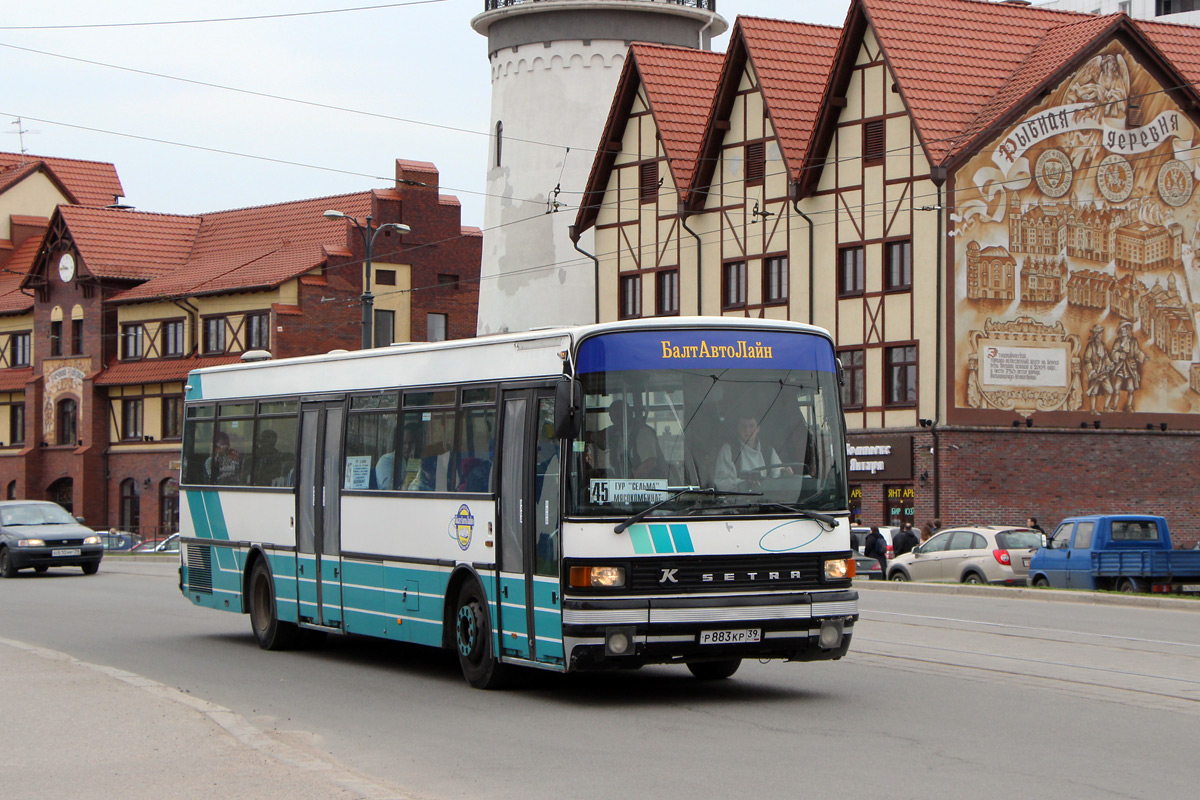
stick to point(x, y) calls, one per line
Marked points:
point(535, 353)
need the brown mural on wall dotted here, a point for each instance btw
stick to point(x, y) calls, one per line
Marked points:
point(1075, 236)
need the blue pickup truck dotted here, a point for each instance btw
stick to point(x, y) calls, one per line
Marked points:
point(1125, 552)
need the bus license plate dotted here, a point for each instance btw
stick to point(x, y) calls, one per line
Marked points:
point(731, 637)
point(72, 552)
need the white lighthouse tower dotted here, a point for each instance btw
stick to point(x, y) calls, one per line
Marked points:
point(555, 65)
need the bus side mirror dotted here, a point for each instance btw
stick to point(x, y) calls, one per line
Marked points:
point(568, 409)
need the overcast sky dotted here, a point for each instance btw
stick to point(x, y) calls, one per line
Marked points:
point(185, 148)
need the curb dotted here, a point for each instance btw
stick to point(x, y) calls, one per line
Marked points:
point(1028, 593)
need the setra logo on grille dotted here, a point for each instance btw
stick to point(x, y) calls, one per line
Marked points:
point(733, 577)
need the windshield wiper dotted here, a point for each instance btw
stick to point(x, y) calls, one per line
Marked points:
point(679, 491)
point(824, 519)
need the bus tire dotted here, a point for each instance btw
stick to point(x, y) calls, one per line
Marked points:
point(473, 639)
point(270, 632)
point(714, 670)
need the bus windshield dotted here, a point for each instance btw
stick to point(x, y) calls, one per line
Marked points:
point(733, 422)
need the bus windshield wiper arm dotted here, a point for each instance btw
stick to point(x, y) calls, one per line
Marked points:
point(679, 491)
point(824, 519)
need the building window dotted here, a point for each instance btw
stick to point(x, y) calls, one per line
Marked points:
point(435, 327)
point(67, 419)
point(131, 341)
point(756, 162)
point(898, 505)
point(853, 374)
point(733, 285)
point(172, 417)
point(76, 337)
point(447, 281)
point(11, 493)
point(131, 506)
point(666, 293)
point(168, 506)
point(385, 327)
point(258, 331)
point(631, 296)
point(901, 375)
point(56, 337)
point(897, 264)
point(648, 182)
point(775, 279)
point(18, 355)
point(851, 270)
point(873, 142)
point(172, 334)
point(214, 335)
point(499, 140)
point(16, 423)
point(385, 277)
point(131, 419)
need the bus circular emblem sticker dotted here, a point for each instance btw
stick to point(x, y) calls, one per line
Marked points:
point(1114, 178)
point(1053, 173)
point(1175, 183)
point(462, 525)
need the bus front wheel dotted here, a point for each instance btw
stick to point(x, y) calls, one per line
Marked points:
point(473, 639)
point(271, 632)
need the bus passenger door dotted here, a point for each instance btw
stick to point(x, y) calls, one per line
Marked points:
point(530, 622)
point(318, 516)
point(512, 624)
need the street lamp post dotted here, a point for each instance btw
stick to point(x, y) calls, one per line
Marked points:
point(369, 232)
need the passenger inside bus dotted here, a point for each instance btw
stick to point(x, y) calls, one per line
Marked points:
point(630, 445)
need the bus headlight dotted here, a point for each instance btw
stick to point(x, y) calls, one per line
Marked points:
point(597, 577)
point(836, 569)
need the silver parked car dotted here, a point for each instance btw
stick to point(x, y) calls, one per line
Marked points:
point(978, 554)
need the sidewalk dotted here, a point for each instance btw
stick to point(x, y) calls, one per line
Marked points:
point(1173, 602)
point(90, 732)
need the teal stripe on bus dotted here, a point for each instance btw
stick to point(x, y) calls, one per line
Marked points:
point(194, 388)
point(682, 539)
point(640, 536)
point(662, 539)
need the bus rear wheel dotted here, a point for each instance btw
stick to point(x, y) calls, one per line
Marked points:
point(714, 670)
point(270, 632)
point(473, 639)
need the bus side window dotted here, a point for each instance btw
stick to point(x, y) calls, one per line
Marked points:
point(478, 450)
point(370, 456)
point(199, 440)
point(428, 449)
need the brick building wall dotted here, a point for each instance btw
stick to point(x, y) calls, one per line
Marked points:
point(991, 476)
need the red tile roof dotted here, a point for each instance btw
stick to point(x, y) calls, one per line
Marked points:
point(129, 245)
point(165, 370)
point(256, 248)
point(14, 380)
point(679, 83)
point(12, 277)
point(792, 61)
point(93, 183)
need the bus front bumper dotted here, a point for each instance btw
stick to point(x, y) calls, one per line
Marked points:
point(615, 633)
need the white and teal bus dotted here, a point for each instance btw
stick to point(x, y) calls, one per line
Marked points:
point(643, 492)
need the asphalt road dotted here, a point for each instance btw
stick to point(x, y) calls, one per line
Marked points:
point(979, 694)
